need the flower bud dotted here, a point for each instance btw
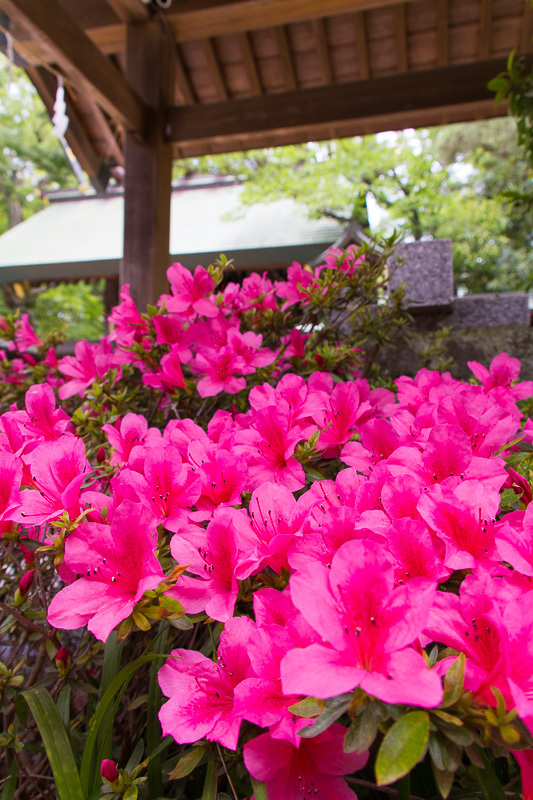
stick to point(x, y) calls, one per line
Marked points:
point(109, 771)
point(100, 455)
point(23, 587)
point(63, 662)
point(27, 554)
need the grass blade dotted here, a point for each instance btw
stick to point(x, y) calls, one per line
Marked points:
point(56, 743)
point(102, 720)
point(8, 791)
point(153, 727)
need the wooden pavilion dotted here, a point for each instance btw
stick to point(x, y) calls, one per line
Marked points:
point(151, 80)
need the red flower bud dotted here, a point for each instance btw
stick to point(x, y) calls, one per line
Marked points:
point(63, 662)
point(62, 655)
point(26, 582)
point(100, 455)
point(109, 771)
point(27, 554)
point(320, 360)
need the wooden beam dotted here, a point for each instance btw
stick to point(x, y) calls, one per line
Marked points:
point(319, 29)
point(79, 58)
point(215, 70)
point(149, 69)
point(402, 58)
point(443, 33)
point(129, 10)
point(91, 162)
point(526, 45)
point(331, 105)
point(361, 46)
point(249, 63)
point(285, 55)
point(184, 88)
point(485, 29)
point(203, 18)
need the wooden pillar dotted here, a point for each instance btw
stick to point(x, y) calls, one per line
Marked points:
point(148, 162)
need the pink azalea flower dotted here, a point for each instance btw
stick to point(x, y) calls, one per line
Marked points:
point(525, 762)
point(169, 330)
point(275, 521)
point(10, 478)
point(367, 626)
point(268, 448)
point(345, 410)
point(129, 432)
point(57, 470)
point(313, 768)
point(215, 557)
point(169, 487)
point(90, 363)
point(25, 336)
point(126, 322)
point(201, 691)
point(218, 368)
point(294, 288)
point(502, 374)
point(223, 477)
point(118, 565)
point(169, 376)
point(190, 293)
point(41, 419)
point(260, 698)
point(464, 519)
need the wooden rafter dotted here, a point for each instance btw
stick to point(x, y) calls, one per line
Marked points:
point(249, 63)
point(526, 45)
point(129, 10)
point(321, 37)
point(79, 58)
point(402, 60)
point(443, 33)
point(287, 64)
point(215, 70)
point(203, 18)
point(361, 45)
point(184, 89)
point(333, 105)
point(485, 29)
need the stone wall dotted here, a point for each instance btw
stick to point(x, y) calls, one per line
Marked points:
point(481, 326)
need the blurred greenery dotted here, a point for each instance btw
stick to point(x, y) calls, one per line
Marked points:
point(450, 181)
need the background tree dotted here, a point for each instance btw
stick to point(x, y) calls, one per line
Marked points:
point(32, 161)
point(430, 183)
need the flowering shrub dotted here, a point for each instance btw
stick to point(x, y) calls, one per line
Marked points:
point(231, 567)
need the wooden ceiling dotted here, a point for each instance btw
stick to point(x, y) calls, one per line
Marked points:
point(254, 73)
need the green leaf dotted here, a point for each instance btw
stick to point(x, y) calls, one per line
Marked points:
point(103, 719)
point(187, 763)
point(324, 721)
point(8, 791)
point(210, 782)
point(21, 709)
point(135, 758)
point(308, 707)
point(63, 706)
point(404, 746)
point(259, 790)
point(182, 624)
point(444, 780)
point(131, 793)
point(153, 727)
point(362, 731)
point(56, 743)
point(453, 682)
point(487, 779)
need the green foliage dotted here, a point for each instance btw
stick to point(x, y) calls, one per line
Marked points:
point(442, 182)
point(31, 158)
point(74, 308)
point(403, 747)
